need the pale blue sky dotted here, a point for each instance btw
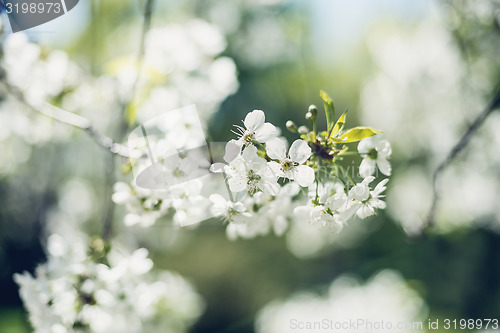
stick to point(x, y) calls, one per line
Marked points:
point(336, 23)
point(339, 24)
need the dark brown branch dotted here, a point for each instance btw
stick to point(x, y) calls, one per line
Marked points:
point(459, 146)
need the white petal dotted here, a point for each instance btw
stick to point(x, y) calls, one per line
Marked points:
point(217, 167)
point(303, 175)
point(232, 151)
point(270, 186)
point(249, 153)
point(365, 211)
point(336, 201)
point(237, 183)
point(360, 192)
point(384, 149)
point(254, 119)
point(349, 212)
point(384, 166)
point(237, 166)
point(367, 167)
point(266, 132)
point(276, 149)
point(275, 169)
point(368, 180)
point(379, 188)
point(300, 151)
point(366, 145)
point(377, 203)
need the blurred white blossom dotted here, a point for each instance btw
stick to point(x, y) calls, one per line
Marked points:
point(81, 287)
point(425, 93)
point(385, 297)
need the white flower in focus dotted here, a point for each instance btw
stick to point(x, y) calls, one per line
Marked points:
point(250, 172)
point(321, 215)
point(290, 166)
point(256, 129)
point(376, 153)
point(324, 205)
point(362, 201)
point(234, 212)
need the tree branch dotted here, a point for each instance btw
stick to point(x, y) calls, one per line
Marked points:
point(459, 146)
point(74, 120)
point(107, 229)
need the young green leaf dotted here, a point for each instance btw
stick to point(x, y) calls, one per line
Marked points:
point(358, 133)
point(339, 125)
point(329, 110)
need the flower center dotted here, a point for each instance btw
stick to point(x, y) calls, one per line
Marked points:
point(249, 137)
point(373, 154)
point(253, 179)
point(287, 164)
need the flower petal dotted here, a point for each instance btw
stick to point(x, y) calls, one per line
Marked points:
point(303, 175)
point(367, 167)
point(365, 211)
point(384, 149)
point(237, 183)
point(300, 151)
point(384, 166)
point(254, 119)
point(276, 149)
point(232, 151)
point(266, 132)
point(366, 145)
point(249, 153)
point(379, 188)
point(275, 169)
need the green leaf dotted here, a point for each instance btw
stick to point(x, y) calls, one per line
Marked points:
point(339, 125)
point(358, 133)
point(329, 109)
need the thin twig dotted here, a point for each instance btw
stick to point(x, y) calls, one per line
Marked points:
point(459, 146)
point(72, 119)
point(123, 127)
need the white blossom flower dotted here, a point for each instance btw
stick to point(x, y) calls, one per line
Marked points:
point(362, 201)
point(320, 214)
point(250, 172)
point(256, 129)
point(234, 212)
point(376, 153)
point(291, 166)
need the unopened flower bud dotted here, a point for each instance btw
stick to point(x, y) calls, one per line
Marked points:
point(303, 130)
point(290, 125)
point(313, 110)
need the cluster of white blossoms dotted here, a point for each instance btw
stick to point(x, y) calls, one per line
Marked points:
point(384, 303)
point(421, 70)
point(256, 185)
point(39, 75)
point(84, 287)
point(185, 63)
